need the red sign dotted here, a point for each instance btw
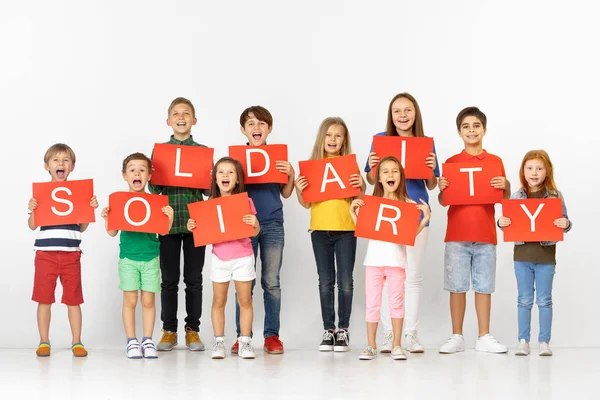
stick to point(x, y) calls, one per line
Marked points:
point(183, 166)
point(220, 220)
point(259, 162)
point(410, 151)
point(329, 178)
point(388, 220)
point(138, 212)
point(62, 203)
point(470, 183)
point(532, 220)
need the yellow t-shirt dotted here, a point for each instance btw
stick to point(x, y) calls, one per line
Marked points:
point(331, 215)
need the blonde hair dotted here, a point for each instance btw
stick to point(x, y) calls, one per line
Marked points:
point(400, 193)
point(59, 148)
point(548, 183)
point(181, 100)
point(318, 151)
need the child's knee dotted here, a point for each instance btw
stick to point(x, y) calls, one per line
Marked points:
point(245, 301)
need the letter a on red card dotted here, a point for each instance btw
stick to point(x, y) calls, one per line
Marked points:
point(388, 220)
point(259, 162)
point(138, 212)
point(329, 178)
point(532, 220)
point(183, 166)
point(470, 183)
point(410, 151)
point(220, 220)
point(65, 202)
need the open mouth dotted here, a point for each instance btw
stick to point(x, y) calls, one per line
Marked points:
point(181, 124)
point(137, 182)
point(390, 183)
point(60, 173)
point(257, 136)
point(332, 145)
point(225, 183)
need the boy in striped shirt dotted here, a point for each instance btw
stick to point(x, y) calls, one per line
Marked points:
point(57, 255)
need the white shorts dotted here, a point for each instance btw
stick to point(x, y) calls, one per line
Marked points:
point(238, 269)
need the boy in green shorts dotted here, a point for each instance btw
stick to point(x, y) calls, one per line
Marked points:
point(139, 267)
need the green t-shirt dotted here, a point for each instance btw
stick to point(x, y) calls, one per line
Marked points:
point(139, 246)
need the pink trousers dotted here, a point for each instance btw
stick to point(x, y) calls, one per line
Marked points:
point(374, 279)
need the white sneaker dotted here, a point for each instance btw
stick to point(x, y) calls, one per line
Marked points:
point(489, 344)
point(246, 349)
point(455, 343)
point(522, 348)
point(134, 350)
point(545, 349)
point(218, 350)
point(411, 343)
point(388, 339)
point(368, 353)
point(149, 349)
point(398, 353)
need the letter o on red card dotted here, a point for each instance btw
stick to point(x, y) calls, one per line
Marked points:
point(138, 212)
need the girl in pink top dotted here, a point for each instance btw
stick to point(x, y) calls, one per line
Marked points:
point(233, 260)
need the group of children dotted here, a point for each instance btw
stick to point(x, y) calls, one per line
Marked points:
point(470, 252)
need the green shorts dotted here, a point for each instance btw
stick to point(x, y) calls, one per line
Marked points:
point(139, 275)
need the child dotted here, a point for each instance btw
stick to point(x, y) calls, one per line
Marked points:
point(332, 235)
point(256, 124)
point(57, 255)
point(138, 263)
point(233, 260)
point(386, 261)
point(470, 252)
point(535, 262)
point(404, 119)
point(181, 118)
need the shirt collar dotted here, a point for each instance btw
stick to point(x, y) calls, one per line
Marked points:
point(479, 156)
point(189, 140)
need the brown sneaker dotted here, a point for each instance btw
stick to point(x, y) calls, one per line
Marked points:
point(192, 340)
point(78, 350)
point(168, 341)
point(43, 350)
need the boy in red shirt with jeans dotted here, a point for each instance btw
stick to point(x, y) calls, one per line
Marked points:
point(470, 252)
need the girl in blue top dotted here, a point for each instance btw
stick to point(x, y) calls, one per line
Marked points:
point(404, 119)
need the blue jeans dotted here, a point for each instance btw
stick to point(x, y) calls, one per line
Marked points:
point(470, 261)
point(270, 240)
point(331, 247)
point(533, 277)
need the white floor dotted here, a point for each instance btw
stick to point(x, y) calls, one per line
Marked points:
point(299, 374)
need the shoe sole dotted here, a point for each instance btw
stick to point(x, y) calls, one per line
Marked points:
point(521, 354)
point(491, 352)
point(418, 351)
point(399, 358)
point(451, 352)
point(234, 351)
point(199, 349)
point(325, 348)
point(218, 357)
point(366, 358)
point(43, 355)
point(272, 352)
point(150, 357)
point(341, 349)
point(158, 348)
point(135, 358)
point(545, 354)
point(248, 358)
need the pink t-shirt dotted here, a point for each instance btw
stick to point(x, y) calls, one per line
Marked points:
point(235, 248)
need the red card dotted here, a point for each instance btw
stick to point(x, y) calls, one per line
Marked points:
point(183, 166)
point(62, 203)
point(411, 151)
point(329, 178)
point(388, 220)
point(261, 160)
point(469, 183)
point(532, 220)
point(138, 212)
point(220, 220)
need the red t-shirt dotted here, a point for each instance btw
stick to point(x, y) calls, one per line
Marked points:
point(472, 223)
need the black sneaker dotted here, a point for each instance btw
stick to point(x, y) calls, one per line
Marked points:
point(327, 343)
point(342, 340)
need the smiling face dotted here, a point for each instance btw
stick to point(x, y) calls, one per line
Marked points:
point(403, 115)
point(227, 178)
point(535, 174)
point(255, 130)
point(471, 131)
point(181, 119)
point(389, 177)
point(59, 165)
point(137, 174)
point(334, 140)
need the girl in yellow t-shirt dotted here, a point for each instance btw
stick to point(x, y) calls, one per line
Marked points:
point(333, 241)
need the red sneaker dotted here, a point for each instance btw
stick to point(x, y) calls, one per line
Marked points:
point(273, 345)
point(235, 348)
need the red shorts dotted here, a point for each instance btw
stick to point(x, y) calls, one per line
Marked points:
point(50, 265)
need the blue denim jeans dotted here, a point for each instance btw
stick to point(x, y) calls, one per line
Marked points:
point(470, 261)
point(270, 241)
point(533, 277)
point(331, 248)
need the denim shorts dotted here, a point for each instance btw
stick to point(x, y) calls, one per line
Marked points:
point(466, 261)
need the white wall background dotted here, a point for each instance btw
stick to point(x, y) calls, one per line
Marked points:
point(100, 75)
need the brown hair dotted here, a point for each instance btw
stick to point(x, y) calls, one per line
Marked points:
point(59, 148)
point(137, 157)
point(401, 192)
point(417, 127)
point(239, 186)
point(318, 151)
point(548, 183)
point(260, 113)
point(181, 100)
point(471, 112)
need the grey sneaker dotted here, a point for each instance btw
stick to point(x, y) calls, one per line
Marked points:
point(246, 350)
point(168, 341)
point(192, 340)
point(522, 348)
point(411, 342)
